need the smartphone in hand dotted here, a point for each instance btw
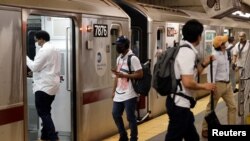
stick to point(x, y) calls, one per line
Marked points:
point(114, 71)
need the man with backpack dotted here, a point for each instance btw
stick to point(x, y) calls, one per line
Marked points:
point(181, 119)
point(124, 95)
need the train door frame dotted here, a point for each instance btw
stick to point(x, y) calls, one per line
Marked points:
point(76, 39)
point(12, 119)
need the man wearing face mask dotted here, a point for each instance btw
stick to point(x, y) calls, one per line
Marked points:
point(221, 80)
point(124, 96)
point(46, 77)
point(240, 52)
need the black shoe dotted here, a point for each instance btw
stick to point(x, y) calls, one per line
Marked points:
point(123, 139)
point(204, 133)
point(236, 90)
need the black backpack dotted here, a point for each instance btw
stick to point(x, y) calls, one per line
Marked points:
point(229, 55)
point(164, 80)
point(142, 85)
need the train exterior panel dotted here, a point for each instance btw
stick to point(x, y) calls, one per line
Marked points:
point(96, 62)
point(84, 31)
point(11, 72)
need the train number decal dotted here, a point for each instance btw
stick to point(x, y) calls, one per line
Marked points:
point(100, 30)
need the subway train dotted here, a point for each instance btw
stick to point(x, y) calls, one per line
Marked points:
point(85, 31)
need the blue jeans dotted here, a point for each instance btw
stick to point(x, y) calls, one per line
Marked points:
point(43, 103)
point(130, 107)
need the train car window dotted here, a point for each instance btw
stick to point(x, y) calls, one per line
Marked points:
point(209, 36)
point(34, 24)
point(114, 35)
point(136, 41)
point(160, 38)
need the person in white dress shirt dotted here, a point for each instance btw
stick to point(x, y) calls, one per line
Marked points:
point(240, 52)
point(46, 77)
point(221, 79)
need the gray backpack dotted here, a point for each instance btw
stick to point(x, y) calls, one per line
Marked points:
point(164, 80)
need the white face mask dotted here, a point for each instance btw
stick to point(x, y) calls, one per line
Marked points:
point(37, 47)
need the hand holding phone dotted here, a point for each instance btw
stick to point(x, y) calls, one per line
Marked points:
point(114, 71)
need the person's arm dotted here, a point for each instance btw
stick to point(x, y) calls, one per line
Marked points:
point(201, 66)
point(185, 60)
point(114, 87)
point(39, 61)
point(135, 75)
point(189, 83)
point(136, 65)
point(235, 56)
point(234, 59)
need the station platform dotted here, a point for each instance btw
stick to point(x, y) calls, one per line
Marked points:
point(155, 129)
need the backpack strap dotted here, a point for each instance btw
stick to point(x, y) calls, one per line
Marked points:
point(129, 63)
point(191, 99)
point(229, 55)
point(240, 49)
point(229, 49)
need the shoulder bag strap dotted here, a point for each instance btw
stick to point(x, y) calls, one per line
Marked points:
point(212, 92)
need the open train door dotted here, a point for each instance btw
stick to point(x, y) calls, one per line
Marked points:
point(61, 34)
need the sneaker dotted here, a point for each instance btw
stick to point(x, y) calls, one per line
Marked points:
point(236, 90)
point(123, 139)
point(204, 133)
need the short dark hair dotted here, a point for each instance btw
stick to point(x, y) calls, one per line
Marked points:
point(231, 39)
point(42, 35)
point(192, 30)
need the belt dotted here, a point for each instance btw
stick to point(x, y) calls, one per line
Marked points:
point(222, 81)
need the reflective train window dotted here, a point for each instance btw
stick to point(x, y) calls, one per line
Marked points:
point(135, 41)
point(160, 36)
point(114, 35)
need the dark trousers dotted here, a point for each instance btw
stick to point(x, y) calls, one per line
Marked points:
point(43, 103)
point(130, 107)
point(181, 123)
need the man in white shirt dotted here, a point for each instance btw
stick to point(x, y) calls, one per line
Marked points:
point(124, 96)
point(240, 52)
point(181, 123)
point(46, 77)
point(221, 79)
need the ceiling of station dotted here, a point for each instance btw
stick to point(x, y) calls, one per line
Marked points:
point(194, 5)
point(246, 2)
point(226, 7)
